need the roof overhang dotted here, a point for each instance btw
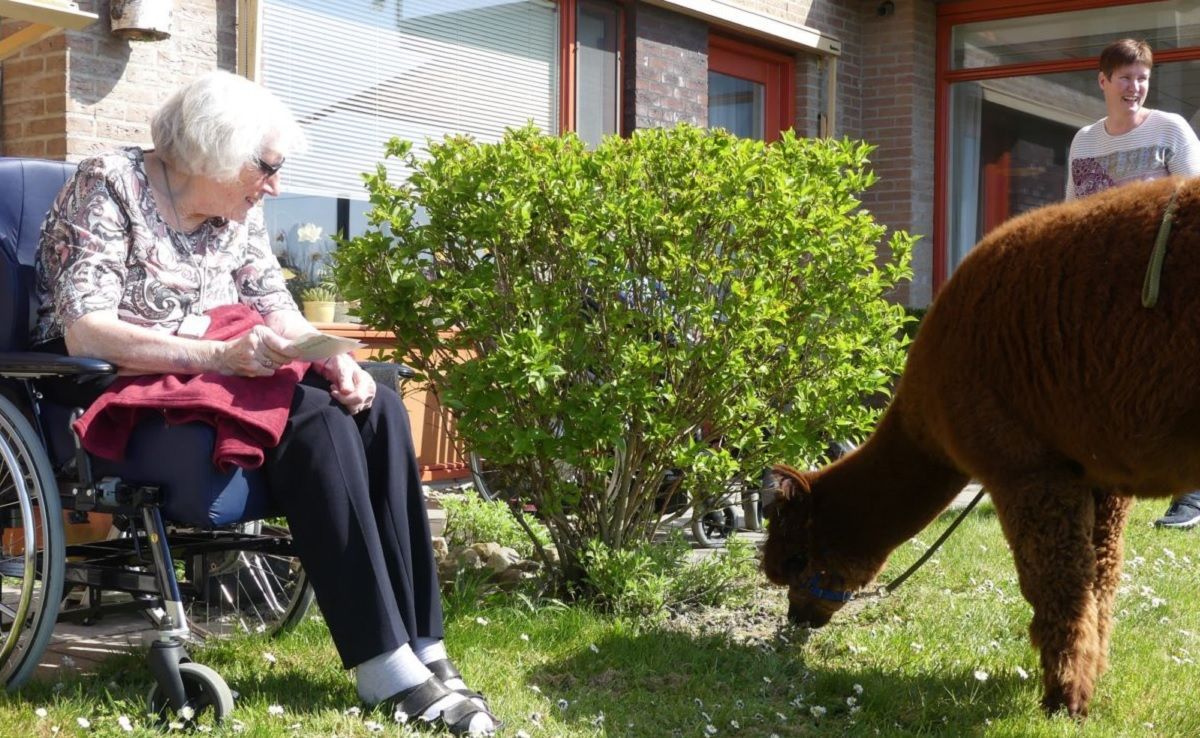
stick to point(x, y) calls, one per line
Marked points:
point(45, 18)
point(754, 24)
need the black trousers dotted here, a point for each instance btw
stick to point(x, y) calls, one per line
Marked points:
point(350, 488)
point(351, 491)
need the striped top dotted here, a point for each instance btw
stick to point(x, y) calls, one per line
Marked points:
point(1164, 144)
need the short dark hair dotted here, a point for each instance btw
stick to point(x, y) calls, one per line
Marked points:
point(1124, 52)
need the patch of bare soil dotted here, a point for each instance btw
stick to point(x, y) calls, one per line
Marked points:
point(761, 621)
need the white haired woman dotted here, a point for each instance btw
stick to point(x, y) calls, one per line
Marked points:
point(138, 247)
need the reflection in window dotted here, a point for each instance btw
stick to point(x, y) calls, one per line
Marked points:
point(1010, 139)
point(301, 229)
point(737, 105)
point(597, 71)
point(1079, 34)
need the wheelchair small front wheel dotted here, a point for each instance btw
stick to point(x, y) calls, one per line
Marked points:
point(209, 699)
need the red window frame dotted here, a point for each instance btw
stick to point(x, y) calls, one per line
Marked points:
point(568, 18)
point(773, 70)
point(951, 14)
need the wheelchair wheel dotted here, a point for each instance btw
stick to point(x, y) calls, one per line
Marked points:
point(32, 553)
point(483, 477)
point(711, 528)
point(209, 699)
point(249, 591)
point(495, 485)
point(244, 591)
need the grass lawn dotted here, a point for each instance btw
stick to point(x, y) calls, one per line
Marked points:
point(947, 655)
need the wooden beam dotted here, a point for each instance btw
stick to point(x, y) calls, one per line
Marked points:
point(249, 40)
point(47, 12)
point(27, 36)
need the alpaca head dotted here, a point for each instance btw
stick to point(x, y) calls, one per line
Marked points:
point(814, 594)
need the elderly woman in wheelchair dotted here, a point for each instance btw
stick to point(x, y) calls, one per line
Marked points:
point(156, 263)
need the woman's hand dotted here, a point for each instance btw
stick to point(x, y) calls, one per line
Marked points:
point(351, 384)
point(257, 353)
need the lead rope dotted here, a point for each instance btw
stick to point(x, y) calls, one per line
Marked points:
point(893, 585)
point(885, 590)
point(1159, 254)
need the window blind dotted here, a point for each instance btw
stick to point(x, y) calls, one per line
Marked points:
point(357, 72)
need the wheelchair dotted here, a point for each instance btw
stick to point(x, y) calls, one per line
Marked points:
point(194, 549)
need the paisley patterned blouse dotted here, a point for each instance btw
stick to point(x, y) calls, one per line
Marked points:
point(105, 247)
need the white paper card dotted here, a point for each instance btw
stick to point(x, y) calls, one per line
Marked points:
point(193, 326)
point(320, 346)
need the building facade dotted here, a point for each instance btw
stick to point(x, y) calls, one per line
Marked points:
point(970, 103)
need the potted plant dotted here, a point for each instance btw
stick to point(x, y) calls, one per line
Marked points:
point(319, 303)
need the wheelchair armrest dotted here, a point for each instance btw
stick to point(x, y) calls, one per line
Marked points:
point(385, 372)
point(28, 364)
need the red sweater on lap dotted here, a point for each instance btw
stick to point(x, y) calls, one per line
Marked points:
point(249, 413)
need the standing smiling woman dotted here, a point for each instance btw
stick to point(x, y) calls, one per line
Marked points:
point(137, 249)
point(1130, 144)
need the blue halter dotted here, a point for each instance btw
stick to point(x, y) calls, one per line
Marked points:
point(814, 588)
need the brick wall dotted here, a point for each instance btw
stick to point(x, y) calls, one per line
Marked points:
point(897, 83)
point(32, 115)
point(86, 91)
point(666, 79)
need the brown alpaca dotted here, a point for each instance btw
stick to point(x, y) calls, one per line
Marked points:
point(1038, 372)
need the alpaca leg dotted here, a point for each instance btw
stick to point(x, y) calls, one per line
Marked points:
point(1108, 538)
point(1048, 523)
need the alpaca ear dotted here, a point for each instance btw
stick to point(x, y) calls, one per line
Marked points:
point(784, 485)
point(790, 482)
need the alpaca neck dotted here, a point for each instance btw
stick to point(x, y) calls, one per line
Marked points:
point(876, 498)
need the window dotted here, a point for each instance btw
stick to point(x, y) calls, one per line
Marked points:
point(358, 72)
point(1013, 91)
point(1075, 34)
point(597, 70)
point(749, 89)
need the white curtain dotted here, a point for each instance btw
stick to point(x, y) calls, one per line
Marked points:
point(357, 72)
point(962, 197)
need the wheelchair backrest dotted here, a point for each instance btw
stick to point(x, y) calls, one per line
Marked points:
point(27, 189)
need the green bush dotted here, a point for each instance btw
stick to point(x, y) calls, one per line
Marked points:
point(471, 519)
point(654, 578)
point(678, 300)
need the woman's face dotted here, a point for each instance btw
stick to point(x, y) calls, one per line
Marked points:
point(256, 180)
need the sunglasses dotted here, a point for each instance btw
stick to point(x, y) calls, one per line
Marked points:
point(268, 170)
